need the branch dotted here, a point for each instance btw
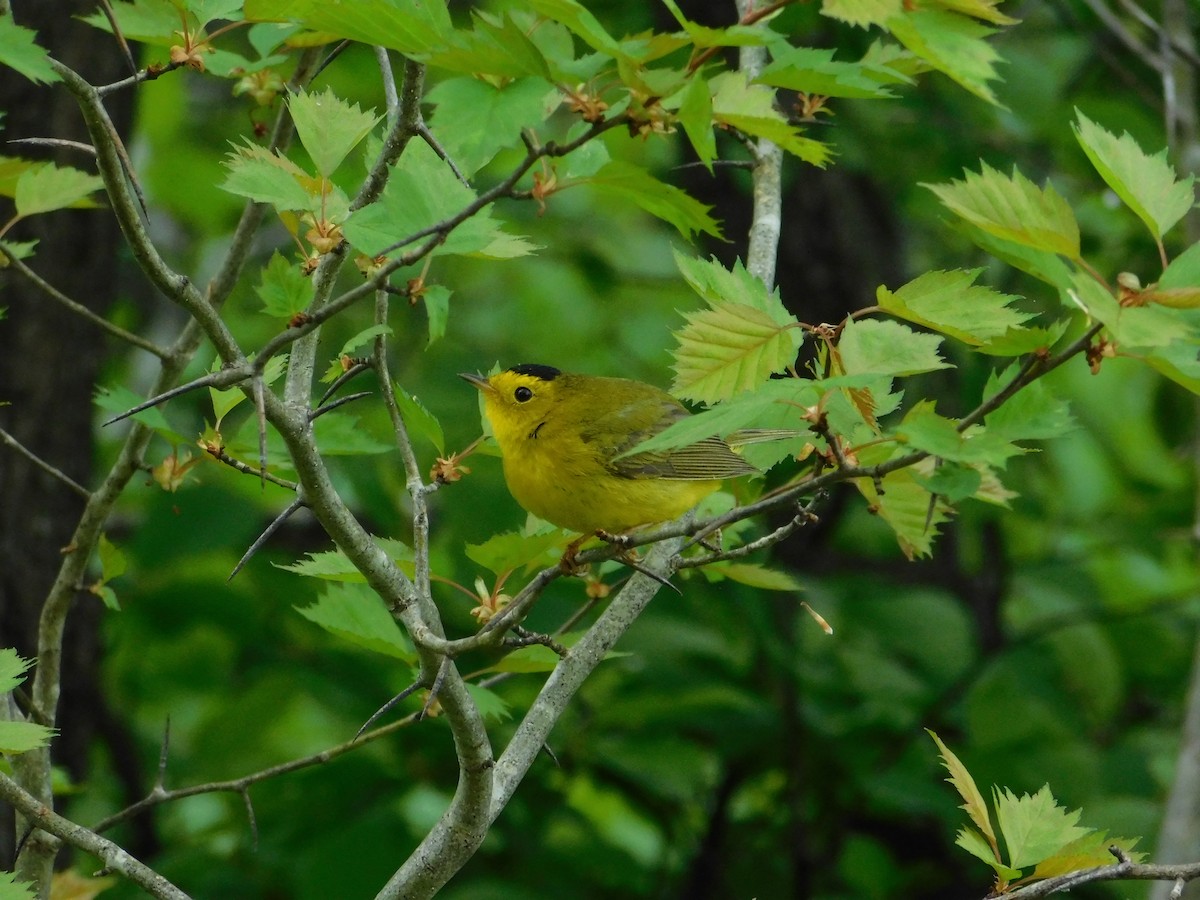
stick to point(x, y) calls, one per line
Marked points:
point(10, 441)
point(1125, 870)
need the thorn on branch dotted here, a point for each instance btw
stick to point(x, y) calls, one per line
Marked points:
point(266, 535)
point(431, 706)
point(383, 710)
point(354, 367)
point(320, 411)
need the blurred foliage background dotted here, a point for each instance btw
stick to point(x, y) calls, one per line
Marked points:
point(735, 750)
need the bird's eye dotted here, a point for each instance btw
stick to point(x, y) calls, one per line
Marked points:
point(522, 394)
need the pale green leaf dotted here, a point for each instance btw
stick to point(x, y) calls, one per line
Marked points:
point(257, 173)
point(224, 400)
point(409, 26)
point(1032, 414)
point(979, 9)
point(528, 660)
point(717, 285)
point(1173, 298)
point(47, 187)
point(283, 289)
point(696, 117)
point(495, 46)
point(576, 17)
point(960, 779)
point(155, 22)
point(328, 127)
point(1034, 827)
point(12, 669)
point(21, 737)
point(107, 595)
point(502, 553)
point(491, 705)
point(112, 561)
point(1146, 184)
point(862, 12)
point(355, 613)
point(1044, 265)
point(11, 889)
point(951, 303)
point(815, 71)
point(334, 565)
point(1130, 326)
point(363, 338)
point(635, 185)
point(419, 421)
point(754, 575)
point(1178, 362)
point(1184, 270)
point(702, 36)
point(119, 399)
point(952, 44)
point(952, 481)
point(475, 120)
point(1086, 852)
point(875, 347)
point(730, 348)
point(1019, 341)
point(344, 435)
point(1013, 208)
point(19, 51)
point(751, 108)
point(910, 509)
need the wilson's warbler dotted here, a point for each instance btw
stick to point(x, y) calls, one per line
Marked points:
point(561, 437)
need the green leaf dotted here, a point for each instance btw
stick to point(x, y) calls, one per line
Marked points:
point(952, 44)
point(815, 71)
point(12, 669)
point(148, 21)
point(1130, 326)
point(952, 304)
point(528, 660)
point(436, 298)
point(112, 561)
point(355, 613)
point(952, 481)
point(334, 565)
point(1043, 265)
point(495, 46)
point(362, 338)
point(108, 596)
point(1034, 827)
point(960, 779)
point(1014, 209)
point(728, 349)
point(751, 108)
point(718, 285)
point(923, 429)
point(502, 553)
point(409, 26)
point(1032, 414)
point(225, 400)
point(257, 173)
point(634, 184)
point(328, 127)
point(21, 737)
point(491, 705)
point(874, 347)
point(1184, 270)
point(419, 420)
point(19, 51)
point(1086, 852)
point(911, 511)
point(117, 400)
point(475, 120)
point(47, 187)
point(1146, 184)
point(862, 12)
point(577, 18)
point(754, 575)
point(696, 117)
point(1019, 341)
point(344, 435)
point(421, 193)
point(11, 889)
point(283, 288)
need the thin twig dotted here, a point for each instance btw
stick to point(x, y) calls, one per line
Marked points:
point(221, 456)
point(57, 142)
point(10, 441)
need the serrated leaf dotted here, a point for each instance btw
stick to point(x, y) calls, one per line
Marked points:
point(577, 18)
point(1087, 852)
point(1178, 362)
point(1184, 270)
point(148, 21)
point(696, 117)
point(634, 184)
point(502, 553)
point(972, 841)
point(19, 51)
point(344, 435)
point(112, 561)
point(283, 288)
point(12, 669)
point(874, 347)
point(1146, 184)
point(1041, 264)
point(260, 175)
point(47, 187)
point(952, 44)
point(1013, 208)
point(979, 9)
point(924, 429)
point(751, 108)
point(912, 512)
point(409, 26)
point(960, 779)
point(952, 304)
point(421, 193)
point(815, 71)
point(481, 119)
point(1019, 341)
point(436, 299)
point(528, 660)
point(862, 12)
point(1131, 326)
point(491, 705)
point(756, 576)
point(1032, 414)
point(355, 613)
point(11, 889)
point(419, 420)
point(495, 46)
point(363, 338)
point(1034, 827)
point(702, 36)
point(328, 127)
point(21, 737)
point(728, 349)
point(951, 481)
point(718, 285)
point(334, 565)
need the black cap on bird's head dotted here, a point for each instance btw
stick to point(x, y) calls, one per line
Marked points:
point(536, 370)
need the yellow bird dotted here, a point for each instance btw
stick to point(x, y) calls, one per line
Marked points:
point(562, 437)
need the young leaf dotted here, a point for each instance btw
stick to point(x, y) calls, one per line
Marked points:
point(362, 339)
point(667, 202)
point(419, 420)
point(47, 187)
point(1034, 827)
point(815, 71)
point(19, 51)
point(436, 298)
point(728, 349)
point(863, 13)
point(409, 26)
point(577, 18)
point(754, 575)
point(952, 44)
point(873, 347)
point(328, 127)
point(717, 285)
point(12, 669)
point(112, 561)
point(116, 400)
point(502, 553)
point(751, 108)
point(495, 46)
point(21, 737)
point(491, 705)
point(355, 613)
point(333, 565)
point(257, 173)
point(951, 303)
point(923, 429)
point(961, 780)
point(1146, 184)
point(696, 117)
point(1019, 341)
point(1032, 414)
point(481, 119)
point(154, 22)
point(1013, 208)
point(1085, 853)
point(952, 481)
point(283, 289)
point(900, 500)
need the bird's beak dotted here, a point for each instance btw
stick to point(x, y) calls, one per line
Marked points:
point(478, 380)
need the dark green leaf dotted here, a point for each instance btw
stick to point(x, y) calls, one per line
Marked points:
point(19, 51)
